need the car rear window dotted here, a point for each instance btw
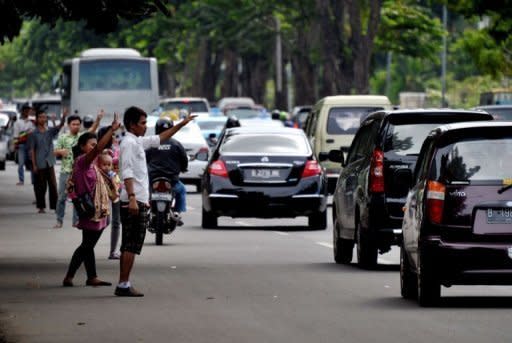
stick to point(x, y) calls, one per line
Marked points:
point(407, 139)
point(270, 144)
point(190, 106)
point(477, 160)
point(346, 120)
point(211, 125)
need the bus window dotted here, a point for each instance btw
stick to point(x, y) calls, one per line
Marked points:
point(114, 75)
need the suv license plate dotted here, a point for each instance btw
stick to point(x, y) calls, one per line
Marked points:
point(499, 216)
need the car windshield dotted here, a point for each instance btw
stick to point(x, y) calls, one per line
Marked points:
point(346, 120)
point(478, 160)
point(267, 144)
point(243, 113)
point(501, 113)
point(190, 106)
point(407, 139)
point(211, 125)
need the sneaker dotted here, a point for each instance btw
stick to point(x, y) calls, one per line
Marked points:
point(58, 225)
point(176, 217)
point(114, 256)
point(127, 292)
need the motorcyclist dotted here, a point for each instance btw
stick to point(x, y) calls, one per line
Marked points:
point(169, 160)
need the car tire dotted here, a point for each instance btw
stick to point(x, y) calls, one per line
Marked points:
point(199, 187)
point(318, 221)
point(208, 220)
point(408, 285)
point(428, 287)
point(2, 165)
point(342, 248)
point(366, 249)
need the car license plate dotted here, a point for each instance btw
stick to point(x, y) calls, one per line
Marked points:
point(161, 196)
point(264, 173)
point(499, 216)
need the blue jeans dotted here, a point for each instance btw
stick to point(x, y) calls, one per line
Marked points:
point(181, 197)
point(21, 162)
point(62, 198)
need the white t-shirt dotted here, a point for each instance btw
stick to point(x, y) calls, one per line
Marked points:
point(132, 164)
point(21, 125)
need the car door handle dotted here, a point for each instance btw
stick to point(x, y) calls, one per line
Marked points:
point(330, 140)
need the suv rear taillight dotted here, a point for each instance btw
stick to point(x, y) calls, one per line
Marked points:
point(218, 168)
point(312, 168)
point(435, 201)
point(377, 172)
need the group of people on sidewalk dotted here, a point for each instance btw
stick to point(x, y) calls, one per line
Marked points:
point(90, 169)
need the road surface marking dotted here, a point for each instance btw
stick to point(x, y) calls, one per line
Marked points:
point(282, 233)
point(242, 223)
point(325, 244)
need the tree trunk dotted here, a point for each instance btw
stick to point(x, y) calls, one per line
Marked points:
point(230, 83)
point(362, 44)
point(254, 77)
point(210, 75)
point(166, 80)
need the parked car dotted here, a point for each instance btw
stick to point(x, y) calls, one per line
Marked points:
point(375, 179)
point(457, 225)
point(499, 112)
point(195, 145)
point(334, 120)
point(8, 130)
point(192, 105)
point(264, 173)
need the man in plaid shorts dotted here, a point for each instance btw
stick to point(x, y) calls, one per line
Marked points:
point(135, 194)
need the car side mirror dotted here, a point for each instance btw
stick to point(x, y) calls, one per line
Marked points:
point(402, 181)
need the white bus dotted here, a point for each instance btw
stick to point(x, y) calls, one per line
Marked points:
point(109, 79)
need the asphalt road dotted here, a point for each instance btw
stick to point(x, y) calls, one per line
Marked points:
point(248, 281)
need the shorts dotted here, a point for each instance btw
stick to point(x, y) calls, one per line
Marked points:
point(134, 228)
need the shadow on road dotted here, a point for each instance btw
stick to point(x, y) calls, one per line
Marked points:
point(447, 302)
point(353, 267)
point(296, 228)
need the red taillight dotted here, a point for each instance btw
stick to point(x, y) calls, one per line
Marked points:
point(312, 168)
point(218, 168)
point(377, 172)
point(435, 201)
point(161, 186)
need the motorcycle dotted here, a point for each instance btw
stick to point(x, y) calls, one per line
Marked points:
point(162, 216)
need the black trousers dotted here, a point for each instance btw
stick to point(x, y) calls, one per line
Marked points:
point(85, 253)
point(45, 178)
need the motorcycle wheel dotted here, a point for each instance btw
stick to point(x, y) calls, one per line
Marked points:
point(159, 228)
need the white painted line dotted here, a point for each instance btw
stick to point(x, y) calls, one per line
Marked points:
point(282, 233)
point(384, 261)
point(242, 223)
point(325, 244)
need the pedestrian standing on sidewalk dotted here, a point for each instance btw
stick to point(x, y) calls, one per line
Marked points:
point(87, 178)
point(135, 194)
point(43, 159)
point(21, 131)
point(63, 149)
point(115, 222)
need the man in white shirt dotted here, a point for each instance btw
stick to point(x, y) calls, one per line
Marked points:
point(135, 195)
point(21, 130)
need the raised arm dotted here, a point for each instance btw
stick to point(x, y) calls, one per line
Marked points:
point(102, 143)
point(165, 135)
point(97, 121)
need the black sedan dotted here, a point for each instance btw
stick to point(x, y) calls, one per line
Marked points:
point(264, 173)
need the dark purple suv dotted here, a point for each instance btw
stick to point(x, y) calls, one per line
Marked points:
point(457, 226)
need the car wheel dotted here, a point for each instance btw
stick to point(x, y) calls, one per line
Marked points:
point(199, 188)
point(408, 286)
point(208, 220)
point(318, 221)
point(366, 249)
point(429, 288)
point(342, 248)
point(2, 165)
